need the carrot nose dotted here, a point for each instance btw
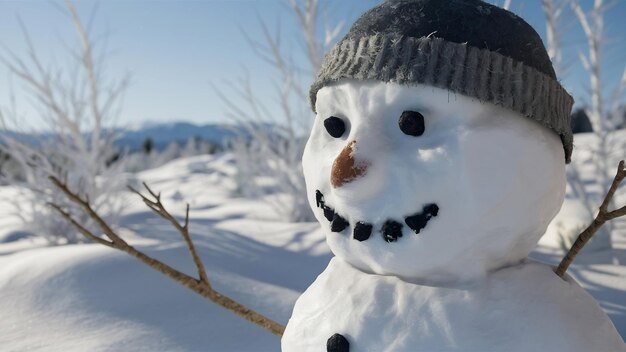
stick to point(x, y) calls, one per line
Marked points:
point(345, 169)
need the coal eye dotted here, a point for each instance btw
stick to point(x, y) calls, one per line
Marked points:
point(335, 126)
point(412, 123)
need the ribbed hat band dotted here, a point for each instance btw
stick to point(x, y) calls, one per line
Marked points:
point(477, 73)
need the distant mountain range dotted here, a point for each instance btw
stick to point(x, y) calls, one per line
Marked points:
point(162, 134)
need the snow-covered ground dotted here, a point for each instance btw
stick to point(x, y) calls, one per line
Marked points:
point(91, 298)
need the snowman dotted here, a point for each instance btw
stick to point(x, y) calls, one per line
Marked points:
point(435, 163)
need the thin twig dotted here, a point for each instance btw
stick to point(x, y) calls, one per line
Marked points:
point(79, 227)
point(74, 197)
point(158, 208)
point(199, 285)
point(603, 216)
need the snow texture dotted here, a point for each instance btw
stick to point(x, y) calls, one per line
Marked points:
point(463, 282)
point(521, 308)
point(90, 298)
point(481, 165)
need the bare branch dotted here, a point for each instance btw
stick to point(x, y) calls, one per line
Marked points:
point(75, 198)
point(616, 96)
point(275, 150)
point(200, 286)
point(79, 227)
point(159, 208)
point(621, 173)
point(603, 216)
point(553, 10)
point(70, 99)
point(594, 33)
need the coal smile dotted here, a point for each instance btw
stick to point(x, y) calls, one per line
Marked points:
point(391, 229)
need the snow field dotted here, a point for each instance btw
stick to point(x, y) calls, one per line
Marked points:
point(88, 297)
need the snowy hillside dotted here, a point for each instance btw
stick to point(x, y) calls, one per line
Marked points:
point(92, 298)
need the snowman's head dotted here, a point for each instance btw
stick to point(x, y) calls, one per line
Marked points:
point(440, 142)
point(426, 184)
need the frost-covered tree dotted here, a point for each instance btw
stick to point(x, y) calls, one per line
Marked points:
point(74, 102)
point(171, 152)
point(147, 146)
point(505, 4)
point(192, 147)
point(602, 111)
point(553, 12)
point(272, 136)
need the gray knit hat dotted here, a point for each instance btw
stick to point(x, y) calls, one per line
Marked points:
point(467, 46)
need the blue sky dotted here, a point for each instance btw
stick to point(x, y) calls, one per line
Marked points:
point(175, 50)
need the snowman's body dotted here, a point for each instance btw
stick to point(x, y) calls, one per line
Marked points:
point(521, 308)
point(483, 183)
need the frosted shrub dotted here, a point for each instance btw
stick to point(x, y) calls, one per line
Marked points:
point(269, 167)
point(590, 173)
point(269, 152)
point(74, 103)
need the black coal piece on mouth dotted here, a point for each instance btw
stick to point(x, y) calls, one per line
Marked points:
point(338, 224)
point(319, 199)
point(329, 213)
point(362, 231)
point(418, 221)
point(392, 230)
